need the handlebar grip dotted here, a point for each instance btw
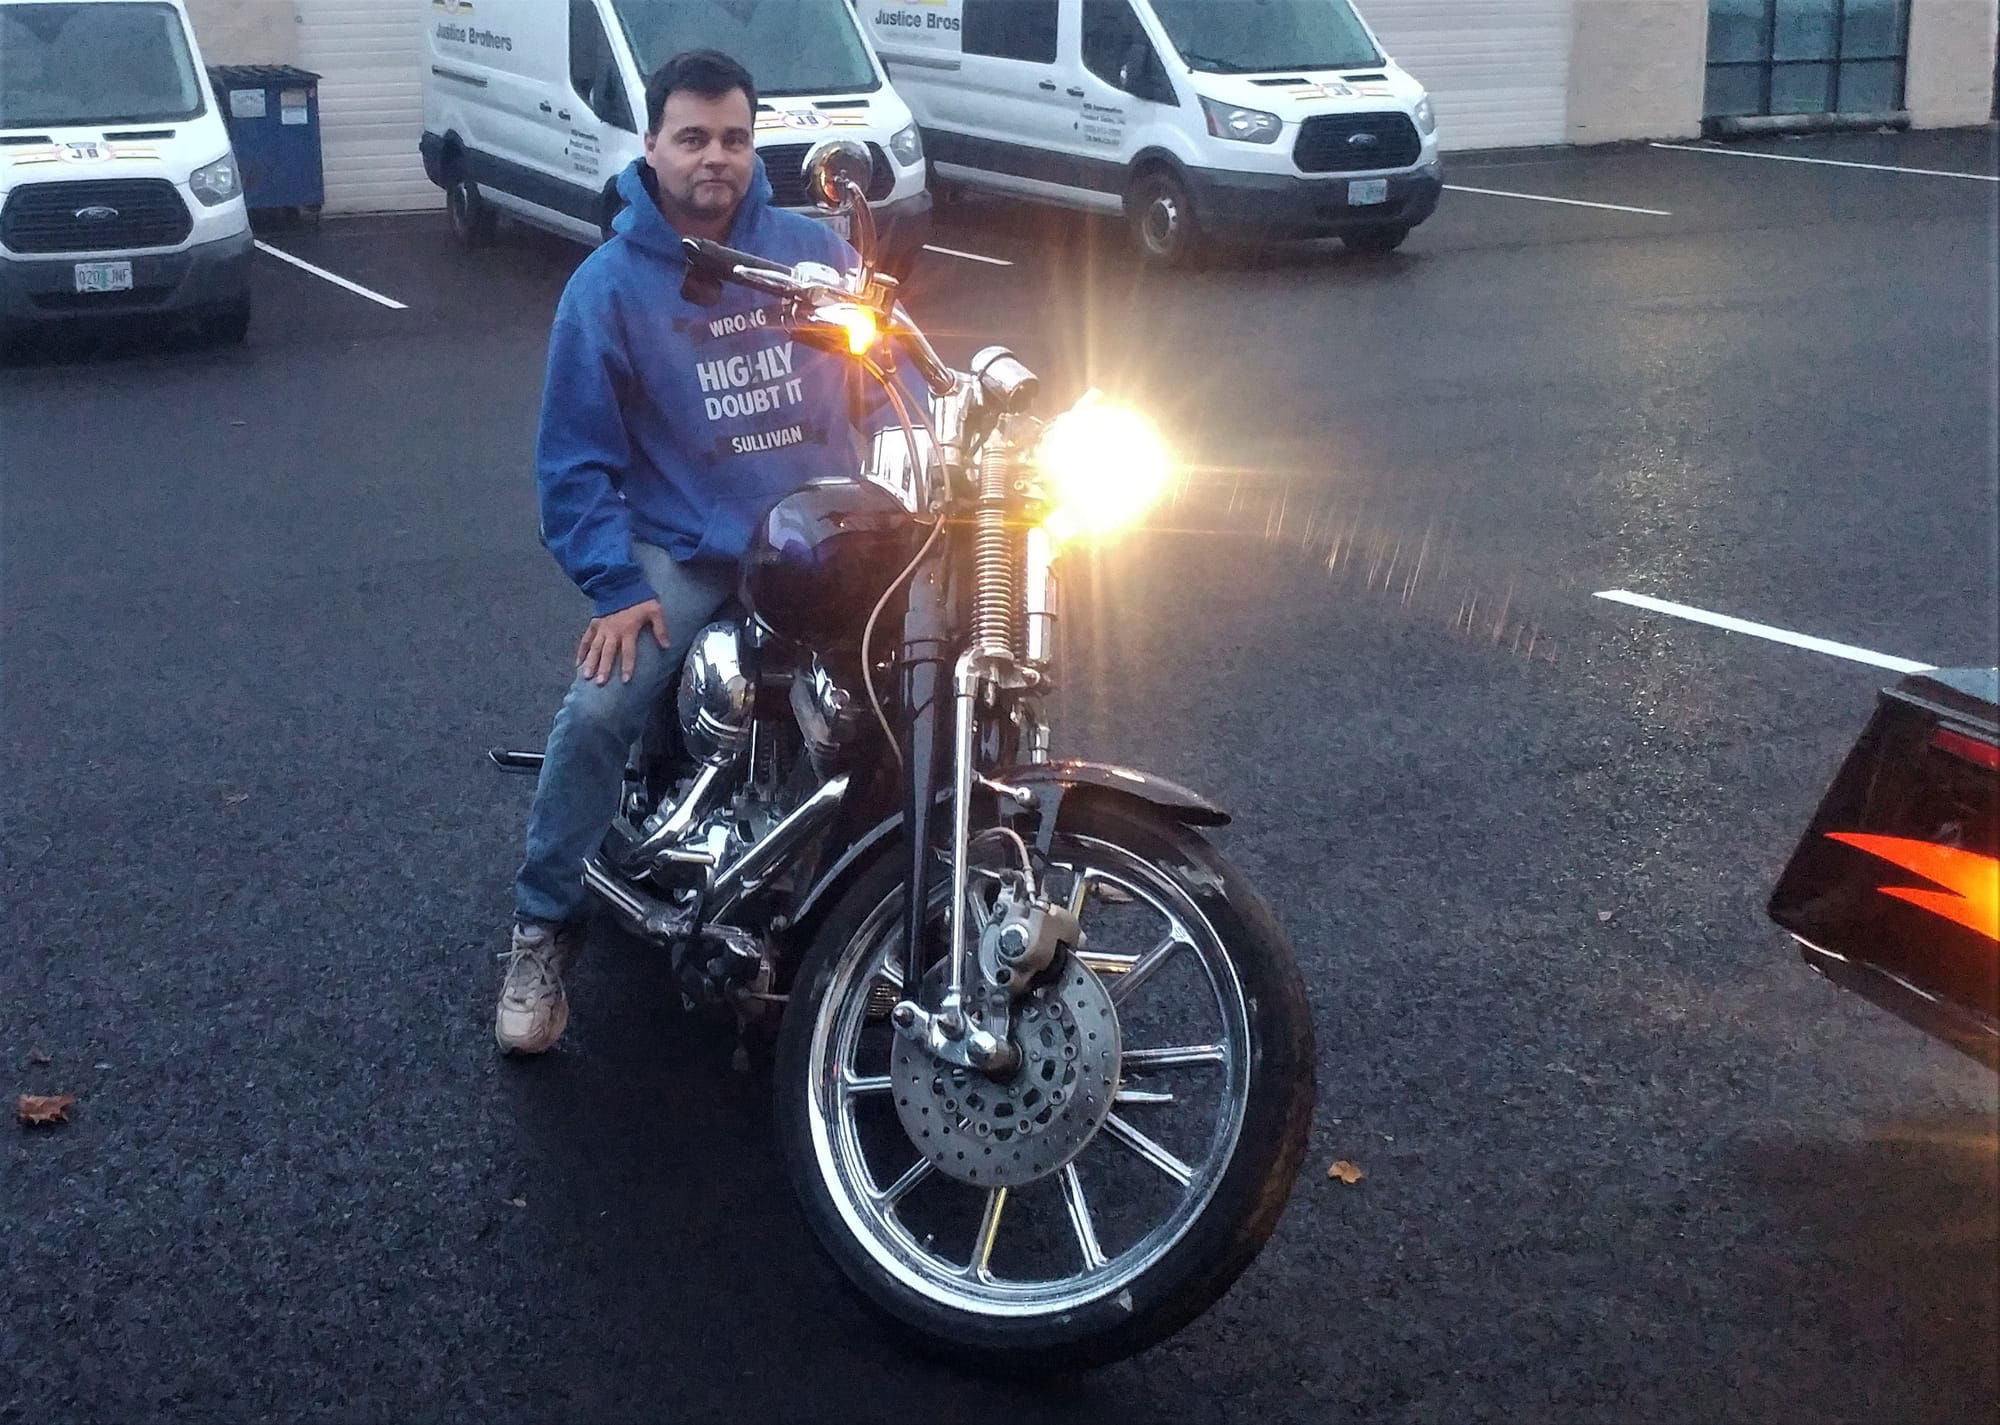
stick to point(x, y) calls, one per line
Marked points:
point(712, 259)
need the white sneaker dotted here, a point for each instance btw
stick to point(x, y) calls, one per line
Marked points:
point(533, 1009)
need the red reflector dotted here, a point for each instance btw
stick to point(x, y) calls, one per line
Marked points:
point(1970, 748)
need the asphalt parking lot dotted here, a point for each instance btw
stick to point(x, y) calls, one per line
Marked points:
point(1627, 1159)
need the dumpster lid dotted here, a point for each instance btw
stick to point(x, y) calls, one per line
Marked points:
point(1971, 693)
point(259, 76)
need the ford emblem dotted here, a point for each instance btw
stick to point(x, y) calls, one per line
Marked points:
point(96, 213)
point(1362, 140)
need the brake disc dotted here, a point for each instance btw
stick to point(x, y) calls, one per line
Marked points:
point(1004, 1134)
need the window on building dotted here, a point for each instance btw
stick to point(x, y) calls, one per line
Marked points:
point(1010, 29)
point(1805, 57)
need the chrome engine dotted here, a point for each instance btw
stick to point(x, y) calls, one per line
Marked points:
point(718, 695)
point(747, 777)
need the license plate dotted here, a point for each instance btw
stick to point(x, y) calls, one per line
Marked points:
point(843, 227)
point(104, 277)
point(1364, 191)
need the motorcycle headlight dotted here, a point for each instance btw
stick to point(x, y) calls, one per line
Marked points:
point(1105, 467)
point(1426, 120)
point(908, 146)
point(1227, 121)
point(218, 182)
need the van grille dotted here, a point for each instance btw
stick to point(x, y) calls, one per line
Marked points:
point(1356, 143)
point(782, 162)
point(42, 217)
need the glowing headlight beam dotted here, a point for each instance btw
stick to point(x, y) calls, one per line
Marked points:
point(1105, 464)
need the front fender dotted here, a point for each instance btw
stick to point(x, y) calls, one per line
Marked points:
point(1181, 803)
point(1061, 777)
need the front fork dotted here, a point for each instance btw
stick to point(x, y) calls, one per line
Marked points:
point(961, 1030)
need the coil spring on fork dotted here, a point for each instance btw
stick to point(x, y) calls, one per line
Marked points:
point(996, 562)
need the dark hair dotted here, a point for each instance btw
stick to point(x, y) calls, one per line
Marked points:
point(709, 73)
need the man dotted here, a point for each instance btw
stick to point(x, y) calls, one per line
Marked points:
point(667, 429)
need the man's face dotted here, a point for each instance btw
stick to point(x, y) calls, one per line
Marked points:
point(702, 155)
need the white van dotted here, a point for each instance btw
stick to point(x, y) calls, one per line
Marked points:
point(1239, 118)
point(534, 107)
point(119, 194)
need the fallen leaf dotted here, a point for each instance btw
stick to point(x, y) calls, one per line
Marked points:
point(1604, 915)
point(1346, 1172)
point(517, 1202)
point(34, 1108)
point(236, 799)
point(39, 1055)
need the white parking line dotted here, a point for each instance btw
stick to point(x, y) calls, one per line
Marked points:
point(334, 278)
point(968, 256)
point(1830, 162)
point(1566, 202)
point(1764, 630)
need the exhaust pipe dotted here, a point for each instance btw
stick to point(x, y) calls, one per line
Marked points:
point(749, 870)
point(655, 920)
point(639, 913)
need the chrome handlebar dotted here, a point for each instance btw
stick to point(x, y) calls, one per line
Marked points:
point(807, 297)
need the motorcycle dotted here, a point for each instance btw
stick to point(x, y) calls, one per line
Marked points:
point(1044, 1063)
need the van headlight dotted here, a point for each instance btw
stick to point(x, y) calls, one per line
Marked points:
point(218, 182)
point(1227, 121)
point(908, 146)
point(1426, 120)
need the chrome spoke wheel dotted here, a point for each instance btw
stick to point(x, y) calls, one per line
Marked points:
point(1107, 1189)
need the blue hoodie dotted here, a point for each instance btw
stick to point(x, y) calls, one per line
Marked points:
point(674, 423)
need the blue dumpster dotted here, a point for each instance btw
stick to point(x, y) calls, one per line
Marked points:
point(272, 111)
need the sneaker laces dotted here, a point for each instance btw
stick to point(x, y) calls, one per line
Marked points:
point(534, 963)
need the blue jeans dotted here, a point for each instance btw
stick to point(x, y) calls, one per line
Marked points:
point(583, 770)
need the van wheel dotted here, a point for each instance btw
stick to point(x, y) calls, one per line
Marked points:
point(1161, 217)
point(473, 220)
point(228, 324)
point(1378, 240)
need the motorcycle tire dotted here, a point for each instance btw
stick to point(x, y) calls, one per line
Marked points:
point(1121, 1310)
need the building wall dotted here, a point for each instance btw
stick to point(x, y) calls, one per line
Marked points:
point(246, 31)
point(1950, 78)
point(1636, 69)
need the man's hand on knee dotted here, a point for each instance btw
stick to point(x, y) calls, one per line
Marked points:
point(613, 641)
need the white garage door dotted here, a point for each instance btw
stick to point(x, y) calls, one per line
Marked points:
point(1497, 70)
point(371, 100)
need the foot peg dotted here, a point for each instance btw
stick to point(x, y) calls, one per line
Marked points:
point(527, 764)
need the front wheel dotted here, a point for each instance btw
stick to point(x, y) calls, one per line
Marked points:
point(1379, 240)
point(474, 222)
point(1160, 214)
point(1127, 1175)
point(228, 324)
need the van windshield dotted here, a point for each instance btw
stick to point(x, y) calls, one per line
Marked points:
point(94, 64)
point(1260, 36)
point(789, 46)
